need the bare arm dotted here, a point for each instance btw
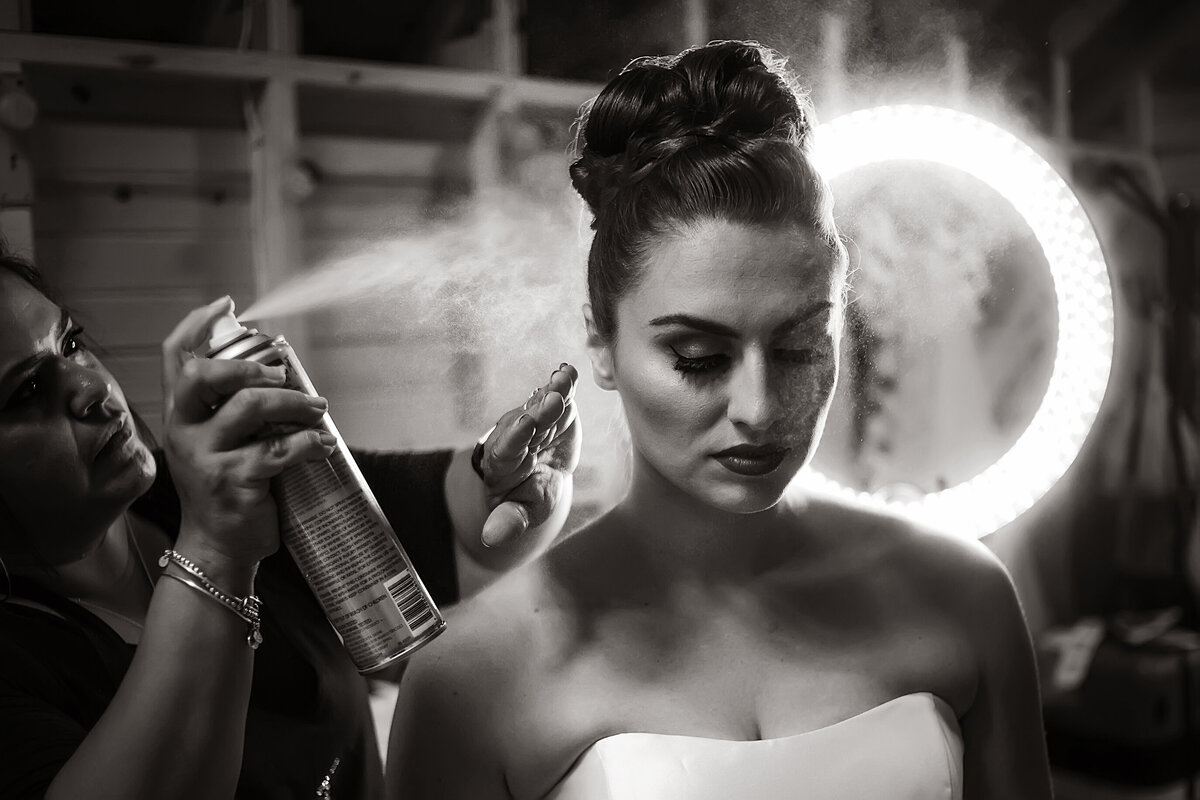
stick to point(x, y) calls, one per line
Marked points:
point(443, 743)
point(1005, 744)
point(175, 726)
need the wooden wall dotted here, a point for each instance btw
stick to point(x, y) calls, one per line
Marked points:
point(135, 225)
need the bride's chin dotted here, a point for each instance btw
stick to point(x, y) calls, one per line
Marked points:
point(741, 500)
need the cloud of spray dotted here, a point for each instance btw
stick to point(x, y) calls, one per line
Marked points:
point(498, 265)
point(860, 53)
point(498, 282)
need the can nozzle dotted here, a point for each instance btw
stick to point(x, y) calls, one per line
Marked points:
point(225, 329)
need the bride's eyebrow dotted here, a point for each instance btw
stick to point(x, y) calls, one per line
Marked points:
point(696, 323)
point(803, 316)
point(716, 328)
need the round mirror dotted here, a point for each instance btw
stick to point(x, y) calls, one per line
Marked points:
point(943, 315)
point(950, 331)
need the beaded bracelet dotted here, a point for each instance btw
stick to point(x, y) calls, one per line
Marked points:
point(249, 608)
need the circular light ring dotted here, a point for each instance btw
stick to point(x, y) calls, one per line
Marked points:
point(1083, 356)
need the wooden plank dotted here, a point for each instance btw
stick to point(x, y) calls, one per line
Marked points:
point(1079, 22)
point(1106, 69)
point(132, 97)
point(1177, 121)
point(375, 160)
point(373, 212)
point(99, 211)
point(250, 65)
point(1182, 173)
point(139, 373)
point(127, 320)
point(67, 149)
point(218, 264)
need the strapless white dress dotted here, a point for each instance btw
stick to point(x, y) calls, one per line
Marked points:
point(909, 748)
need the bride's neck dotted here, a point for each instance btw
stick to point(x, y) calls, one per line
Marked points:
point(680, 534)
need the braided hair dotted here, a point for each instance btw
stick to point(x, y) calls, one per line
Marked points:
point(720, 131)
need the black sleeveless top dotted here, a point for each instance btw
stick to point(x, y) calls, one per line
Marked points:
point(308, 704)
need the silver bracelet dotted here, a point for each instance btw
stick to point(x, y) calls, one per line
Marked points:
point(249, 608)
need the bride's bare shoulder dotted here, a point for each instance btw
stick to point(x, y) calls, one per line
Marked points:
point(878, 538)
point(496, 631)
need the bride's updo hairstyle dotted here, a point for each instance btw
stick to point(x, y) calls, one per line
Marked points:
point(717, 132)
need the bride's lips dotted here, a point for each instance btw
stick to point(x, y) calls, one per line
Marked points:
point(113, 436)
point(752, 460)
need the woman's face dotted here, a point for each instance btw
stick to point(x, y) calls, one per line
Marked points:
point(70, 456)
point(726, 356)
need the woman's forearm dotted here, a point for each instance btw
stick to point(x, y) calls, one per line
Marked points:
point(176, 725)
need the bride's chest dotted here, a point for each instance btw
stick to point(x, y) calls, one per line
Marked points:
point(719, 681)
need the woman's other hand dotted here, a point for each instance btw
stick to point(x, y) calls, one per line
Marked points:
point(528, 458)
point(220, 446)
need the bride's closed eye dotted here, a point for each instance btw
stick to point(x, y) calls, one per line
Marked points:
point(800, 356)
point(699, 365)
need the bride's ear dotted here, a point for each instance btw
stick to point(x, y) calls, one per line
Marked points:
point(599, 351)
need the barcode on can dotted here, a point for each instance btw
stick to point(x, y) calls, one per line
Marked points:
point(407, 596)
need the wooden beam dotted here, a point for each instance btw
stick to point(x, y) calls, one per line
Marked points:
point(1060, 96)
point(16, 175)
point(1107, 74)
point(508, 50)
point(273, 138)
point(1079, 22)
point(695, 23)
point(958, 66)
point(832, 86)
point(257, 66)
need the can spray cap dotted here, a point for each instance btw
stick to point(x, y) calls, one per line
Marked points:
point(225, 329)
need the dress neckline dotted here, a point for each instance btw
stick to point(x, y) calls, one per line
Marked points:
point(944, 708)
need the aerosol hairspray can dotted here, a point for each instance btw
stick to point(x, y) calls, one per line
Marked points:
point(336, 532)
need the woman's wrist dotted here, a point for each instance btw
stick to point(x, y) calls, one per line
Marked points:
point(234, 574)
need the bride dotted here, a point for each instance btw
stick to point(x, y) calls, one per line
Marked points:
point(712, 636)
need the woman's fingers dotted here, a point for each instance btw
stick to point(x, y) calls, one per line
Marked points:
point(273, 455)
point(563, 380)
point(509, 444)
point(245, 414)
point(190, 335)
point(510, 451)
point(204, 384)
point(518, 438)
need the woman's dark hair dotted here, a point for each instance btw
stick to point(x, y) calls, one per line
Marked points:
point(717, 132)
point(25, 270)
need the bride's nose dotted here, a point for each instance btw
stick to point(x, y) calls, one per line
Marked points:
point(753, 401)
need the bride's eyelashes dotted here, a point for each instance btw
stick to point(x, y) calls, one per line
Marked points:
point(698, 366)
point(714, 363)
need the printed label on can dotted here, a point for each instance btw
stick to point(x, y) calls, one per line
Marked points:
point(410, 602)
point(348, 554)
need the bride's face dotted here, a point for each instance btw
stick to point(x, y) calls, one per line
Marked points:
point(725, 356)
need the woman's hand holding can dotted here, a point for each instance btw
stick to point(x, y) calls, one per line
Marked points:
point(218, 427)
